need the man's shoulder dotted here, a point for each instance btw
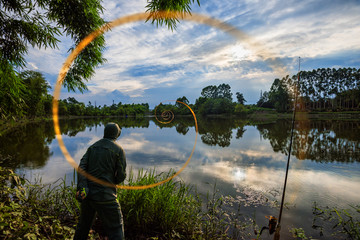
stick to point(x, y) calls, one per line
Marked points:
point(107, 143)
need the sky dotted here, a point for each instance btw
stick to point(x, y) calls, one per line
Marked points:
point(149, 64)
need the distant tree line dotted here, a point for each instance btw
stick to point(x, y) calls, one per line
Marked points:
point(213, 100)
point(72, 107)
point(318, 90)
point(37, 102)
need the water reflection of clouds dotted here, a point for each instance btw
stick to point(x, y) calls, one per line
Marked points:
point(139, 148)
point(248, 161)
point(133, 142)
point(58, 168)
point(302, 183)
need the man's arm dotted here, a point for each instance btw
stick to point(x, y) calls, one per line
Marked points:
point(82, 180)
point(120, 173)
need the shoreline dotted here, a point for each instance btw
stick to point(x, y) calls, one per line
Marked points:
point(258, 117)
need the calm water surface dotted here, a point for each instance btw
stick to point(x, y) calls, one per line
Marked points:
point(246, 162)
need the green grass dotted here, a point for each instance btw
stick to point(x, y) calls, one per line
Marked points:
point(345, 223)
point(166, 211)
point(35, 211)
point(172, 210)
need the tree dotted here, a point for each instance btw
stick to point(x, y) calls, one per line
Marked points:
point(224, 91)
point(215, 100)
point(39, 23)
point(264, 100)
point(279, 95)
point(221, 91)
point(326, 89)
point(240, 98)
point(209, 92)
point(11, 89)
point(181, 99)
point(35, 92)
point(180, 6)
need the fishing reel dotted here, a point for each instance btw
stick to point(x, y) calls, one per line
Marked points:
point(81, 194)
point(272, 225)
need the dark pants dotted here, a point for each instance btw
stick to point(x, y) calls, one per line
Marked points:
point(110, 217)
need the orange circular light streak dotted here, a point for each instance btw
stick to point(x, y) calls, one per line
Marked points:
point(202, 19)
point(167, 115)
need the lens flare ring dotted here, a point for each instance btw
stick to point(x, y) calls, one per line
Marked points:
point(274, 63)
point(166, 115)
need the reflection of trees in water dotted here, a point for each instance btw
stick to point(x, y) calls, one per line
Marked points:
point(182, 124)
point(213, 139)
point(240, 132)
point(218, 131)
point(277, 133)
point(327, 141)
point(213, 131)
point(315, 140)
point(323, 141)
point(28, 146)
point(182, 128)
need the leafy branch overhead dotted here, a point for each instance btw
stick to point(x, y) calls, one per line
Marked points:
point(171, 11)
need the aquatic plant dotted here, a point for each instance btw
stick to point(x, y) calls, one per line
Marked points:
point(344, 223)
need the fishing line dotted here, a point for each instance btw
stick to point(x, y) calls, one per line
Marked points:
point(278, 227)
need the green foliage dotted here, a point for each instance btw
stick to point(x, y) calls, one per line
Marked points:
point(264, 100)
point(168, 209)
point(71, 106)
point(344, 222)
point(224, 91)
point(35, 211)
point(35, 92)
point(240, 98)
point(11, 92)
point(298, 233)
point(39, 23)
point(279, 95)
point(326, 89)
point(177, 109)
point(174, 210)
point(21, 23)
point(215, 100)
point(166, 6)
point(221, 91)
point(319, 90)
point(216, 106)
point(80, 18)
point(24, 94)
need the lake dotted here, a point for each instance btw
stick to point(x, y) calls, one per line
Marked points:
point(245, 161)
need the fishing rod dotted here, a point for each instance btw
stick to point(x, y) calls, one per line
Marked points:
point(278, 226)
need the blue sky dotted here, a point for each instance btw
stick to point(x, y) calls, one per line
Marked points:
point(149, 64)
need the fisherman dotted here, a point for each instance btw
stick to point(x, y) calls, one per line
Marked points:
point(104, 160)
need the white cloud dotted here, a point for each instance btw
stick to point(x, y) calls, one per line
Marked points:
point(33, 66)
point(142, 57)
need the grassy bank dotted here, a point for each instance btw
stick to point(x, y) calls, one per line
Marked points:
point(170, 211)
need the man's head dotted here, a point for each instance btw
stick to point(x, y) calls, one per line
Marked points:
point(112, 131)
